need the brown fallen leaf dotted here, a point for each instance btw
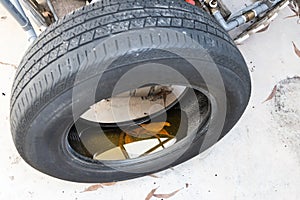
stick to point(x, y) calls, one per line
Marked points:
point(297, 51)
point(166, 196)
point(294, 6)
point(97, 186)
point(291, 16)
point(151, 193)
point(108, 184)
point(271, 96)
point(8, 64)
point(264, 29)
point(93, 188)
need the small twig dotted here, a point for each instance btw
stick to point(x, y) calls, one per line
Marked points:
point(125, 153)
point(159, 140)
point(151, 193)
point(272, 95)
point(166, 196)
point(153, 176)
point(297, 51)
point(8, 64)
point(155, 147)
point(121, 138)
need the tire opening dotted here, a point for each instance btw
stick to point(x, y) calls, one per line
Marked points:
point(121, 140)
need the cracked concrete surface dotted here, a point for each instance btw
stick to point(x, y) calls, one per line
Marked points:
point(258, 159)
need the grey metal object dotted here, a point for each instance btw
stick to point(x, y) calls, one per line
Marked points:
point(262, 22)
point(245, 15)
point(16, 10)
point(239, 20)
point(41, 15)
point(49, 3)
point(49, 11)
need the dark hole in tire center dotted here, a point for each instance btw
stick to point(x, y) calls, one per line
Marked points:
point(100, 142)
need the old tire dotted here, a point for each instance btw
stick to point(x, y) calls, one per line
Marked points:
point(42, 104)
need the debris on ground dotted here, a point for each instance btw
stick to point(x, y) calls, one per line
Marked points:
point(297, 51)
point(287, 104)
point(271, 96)
point(295, 7)
point(164, 196)
point(153, 176)
point(98, 186)
point(93, 188)
point(151, 193)
point(8, 64)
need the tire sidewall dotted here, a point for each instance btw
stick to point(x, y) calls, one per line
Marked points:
point(48, 131)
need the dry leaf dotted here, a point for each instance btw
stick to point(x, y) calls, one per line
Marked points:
point(294, 6)
point(166, 196)
point(155, 126)
point(271, 96)
point(153, 176)
point(264, 29)
point(8, 64)
point(297, 51)
point(151, 193)
point(93, 188)
point(97, 186)
point(108, 184)
point(291, 16)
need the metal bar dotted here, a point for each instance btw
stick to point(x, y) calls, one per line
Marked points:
point(18, 13)
point(240, 19)
point(36, 11)
point(259, 8)
point(49, 3)
point(155, 147)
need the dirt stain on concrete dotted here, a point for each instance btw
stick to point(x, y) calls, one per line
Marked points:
point(286, 113)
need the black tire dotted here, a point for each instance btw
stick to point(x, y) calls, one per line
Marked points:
point(42, 103)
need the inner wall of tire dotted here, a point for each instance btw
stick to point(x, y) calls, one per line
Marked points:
point(196, 126)
point(124, 64)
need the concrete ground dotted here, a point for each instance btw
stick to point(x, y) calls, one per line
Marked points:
point(258, 159)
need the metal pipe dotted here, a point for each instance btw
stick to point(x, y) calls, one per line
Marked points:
point(271, 3)
point(49, 3)
point(18, 13)
point(239, 20)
